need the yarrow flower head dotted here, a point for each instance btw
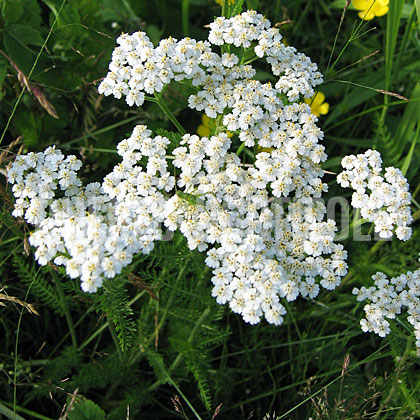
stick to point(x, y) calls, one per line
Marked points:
point(371, 8)
point(387, 298)
point(383, 200)
point(261, 245)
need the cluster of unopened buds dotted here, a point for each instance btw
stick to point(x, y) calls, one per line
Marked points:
point(258, 219)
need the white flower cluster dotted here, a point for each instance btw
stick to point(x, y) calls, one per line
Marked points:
point(385, 202)
point(259, 251)
point(387, 299)
point(298, 75)
point(260, 223)
point(93, 231)
point(137, 67)
point(76, 225)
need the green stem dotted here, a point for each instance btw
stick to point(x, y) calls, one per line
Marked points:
point(185, 12)
point(168, 112)
point(99, 150)
point(6, 412)
point(415, 201)
point(385, 402)
point(178, 360)
point(184, 397)
point(241, 147)
point(16, 350)
point(416, 215)
point(114, 336)
point(407, 35)
point(197, 325)
point(100, 131)
point(251, 60)
point(225, 8)
point(353, 36)
point(9, 413)
point(128, 7)
point(7, 241)
point(219, 125)
point(346, 279)
point(180, 356)
point(335, 40)
point(416, 191)
point(13, 113)
point(357, 221)
point(165, 311)
point(384, 109)
point(367, 111)
point(115, 384)
point(65, 309)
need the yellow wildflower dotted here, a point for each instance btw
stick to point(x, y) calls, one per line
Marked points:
point(318, 106)
point(203, 129)
point(265, 149)
point(371, 8)
point(207, 126)
point(220, 2)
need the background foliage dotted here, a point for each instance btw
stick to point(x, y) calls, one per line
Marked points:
point(153, 343)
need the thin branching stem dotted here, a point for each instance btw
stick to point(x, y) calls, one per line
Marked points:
point(114, 336)
point(17, 346)
point(164, 107)
point(65, 307)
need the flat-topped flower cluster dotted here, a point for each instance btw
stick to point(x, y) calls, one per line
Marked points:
point(137, 67)
point(387, 298)
point(258, 220)
point(385, 202)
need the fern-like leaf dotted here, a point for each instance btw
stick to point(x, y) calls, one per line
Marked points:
point(53, 374)
point(40, 287)
point(196, 362)
point(158, 365)
point(113, 301)
point(101, 374)
point(384, 143)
